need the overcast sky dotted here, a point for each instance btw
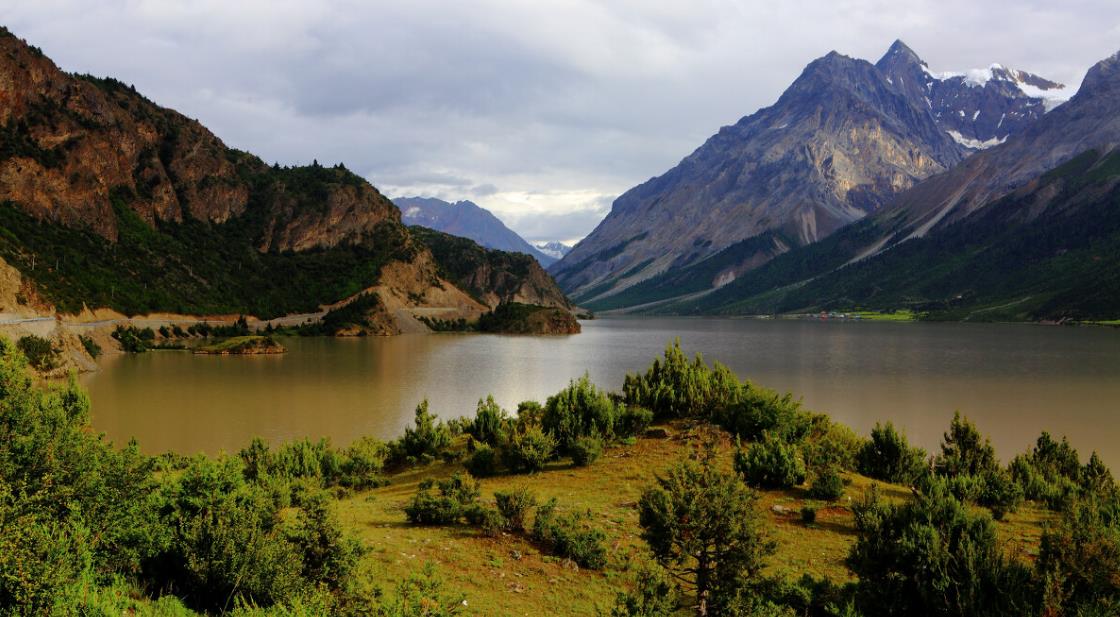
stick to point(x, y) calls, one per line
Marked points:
point(542, 111)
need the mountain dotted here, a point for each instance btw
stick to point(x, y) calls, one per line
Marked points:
point(1029, 229)
point(109, 201)
point(467, 219)
point(491, 276)
point(842, 141)
point(554, 249)
point(978, 108)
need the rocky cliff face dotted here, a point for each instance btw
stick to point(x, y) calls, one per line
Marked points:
point(842, 141)
point(979, 108)
point(492, 277)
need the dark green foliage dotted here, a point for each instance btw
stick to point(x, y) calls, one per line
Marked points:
point(703, 525)
point(889, 457)
point(514, 506)
point(490, 421)
point(579, 410)
point(460, 260)
point(329, 556)
point(354, 314)
point(1051, 472)
point(755, 411)
point(932, 556)
point(90, 345)
point(133, 339)
point(358, 467)
point(483, 461)
point(674, 387)
point(1079, 560)
point(634, 421)
point(518, 318)
point(192, 266)
point(964, 451)
point(528, 450)
point(827, 484)
point(1000, 493)
point(831, 445)
point(770, 463)
point(443, 503)
point(568, 535)
point(586, 450)
point(426, 440)
point(654, 595)
point(808, 514)
point(39, 351)
point(422, 594)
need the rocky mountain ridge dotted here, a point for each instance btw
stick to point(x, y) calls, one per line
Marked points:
point(842, 141)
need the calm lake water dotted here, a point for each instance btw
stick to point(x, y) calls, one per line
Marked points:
point(1012, 380)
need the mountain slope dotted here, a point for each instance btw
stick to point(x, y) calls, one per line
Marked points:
point(109, 201)
point(1026, 230)
point(467, 219)
point(491, 276)
point(841, 142)
point(556, 250)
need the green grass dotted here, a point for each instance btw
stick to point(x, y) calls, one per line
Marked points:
point(509, 576)
point(899, 315)
point(238, 344)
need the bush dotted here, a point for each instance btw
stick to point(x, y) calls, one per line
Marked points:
point(770, 463)
point(427, 439)
point(808, 514)
point(832, 445)
point(363, 463)
point(932, 556)
point(529, 451)
point(514, 506)
point(1000, 493)
point(579, 410)
point(1079, 560)
point(757, 410)
point(888, 457)
point(39, 351)
point(569, 536)
point(489, 423)
point(329, 556)
point(964, 451)
point(633, 421)
point(654, 595)
point(456, 495)
point(91, 346)
point(674, 387)
point(483, 462)
point(488, 519)
point(827, 484)
point(586, 450)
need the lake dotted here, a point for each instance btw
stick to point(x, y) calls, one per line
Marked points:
point(1013, 381)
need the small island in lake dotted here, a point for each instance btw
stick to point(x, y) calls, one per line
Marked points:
point(242, 346)
point(517, 318)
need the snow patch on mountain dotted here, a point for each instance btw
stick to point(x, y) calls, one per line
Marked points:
point(975, 144)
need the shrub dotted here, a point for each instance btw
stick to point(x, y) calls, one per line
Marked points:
point(569, 536)
point(489, 422)
point(1079, 560)
point(889, 457)
point(1000, 493)
point(932, 556)
point(770, 463)
point(514, 506)
point(91, 346)
point(363, 463)
point(633, 421)
point(455, 496)
point(674, 387)
point(576, 411)
point(488, 519)
point(654, 595)
point(329, 556)
point(808, 514)
point(586, 450)
point(529, 413)
point(827, 484)
point(529, 451)
point(427, 439)
point(39, 351)
point(964, 451)
point(483, 461)
point(832, 445)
